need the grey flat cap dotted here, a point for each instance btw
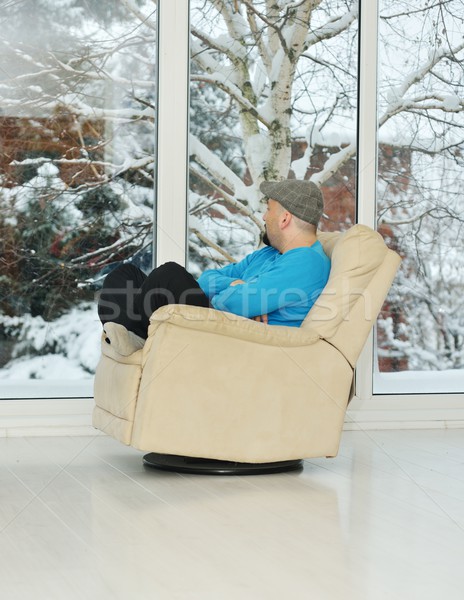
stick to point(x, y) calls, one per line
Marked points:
point(302, 198)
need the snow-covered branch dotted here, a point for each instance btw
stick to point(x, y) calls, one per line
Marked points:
point(436, 212)
point(233, 91)
point(333, 164)
point(205, 252)
point(79, 108)
point(333, 27)
point(231, 201)
point(418, 75)
point(107, 249)
point(204, 58)
point(214, 165)
point(101, 75)
point(236, 24)
point(208, 242)
point(74, 67)
point(450, 104)
point(238, 220)
point(85, 162)
point(213, 44)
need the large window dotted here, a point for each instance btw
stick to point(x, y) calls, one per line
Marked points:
point(274, 91)
point(273, 94)
point(77, 170)
point(420, 208)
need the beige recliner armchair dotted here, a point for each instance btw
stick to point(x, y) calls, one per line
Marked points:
point(220, 387)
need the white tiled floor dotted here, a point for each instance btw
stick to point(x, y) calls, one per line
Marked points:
point(82, 519)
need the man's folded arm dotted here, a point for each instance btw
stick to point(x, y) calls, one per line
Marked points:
point(214, 281)
point(262, 295)
point(268, 292)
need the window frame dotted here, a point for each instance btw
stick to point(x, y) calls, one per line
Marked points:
point(368, 409)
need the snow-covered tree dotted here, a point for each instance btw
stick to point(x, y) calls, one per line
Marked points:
point(289, 70)
point(421, 111)
point(77, 130)
point(82, 82)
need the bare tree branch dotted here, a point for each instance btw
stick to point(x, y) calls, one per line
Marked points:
point(145, 19)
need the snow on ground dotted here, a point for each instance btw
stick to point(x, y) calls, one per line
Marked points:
point(66, 349)
point(48, 366)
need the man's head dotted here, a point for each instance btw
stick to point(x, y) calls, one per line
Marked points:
point(294, 210)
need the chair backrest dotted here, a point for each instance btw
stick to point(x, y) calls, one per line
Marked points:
point(361, 274)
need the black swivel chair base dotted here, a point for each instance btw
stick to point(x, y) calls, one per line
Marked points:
point(208, 466)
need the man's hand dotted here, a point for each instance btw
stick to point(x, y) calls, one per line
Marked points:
point(261, 319)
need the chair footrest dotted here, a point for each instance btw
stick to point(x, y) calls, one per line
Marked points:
point(208, 466)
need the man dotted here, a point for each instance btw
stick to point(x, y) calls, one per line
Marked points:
point(277, 284)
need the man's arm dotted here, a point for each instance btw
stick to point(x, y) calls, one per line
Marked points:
point(269, 292)
point(214, 281)
point(260, 318)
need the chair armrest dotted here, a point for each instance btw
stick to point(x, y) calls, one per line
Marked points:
point(230, 325)
point(127, 357)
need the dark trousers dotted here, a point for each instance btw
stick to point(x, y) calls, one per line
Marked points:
point(129, 297)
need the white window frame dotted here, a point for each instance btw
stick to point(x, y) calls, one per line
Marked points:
point(369, 410)
point(65, 416)
point(173, 129)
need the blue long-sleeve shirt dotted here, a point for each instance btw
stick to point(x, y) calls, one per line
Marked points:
point(282, 286)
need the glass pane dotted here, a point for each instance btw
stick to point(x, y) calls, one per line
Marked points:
point(420, 334)
point(77, 140)
point(273, 95)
